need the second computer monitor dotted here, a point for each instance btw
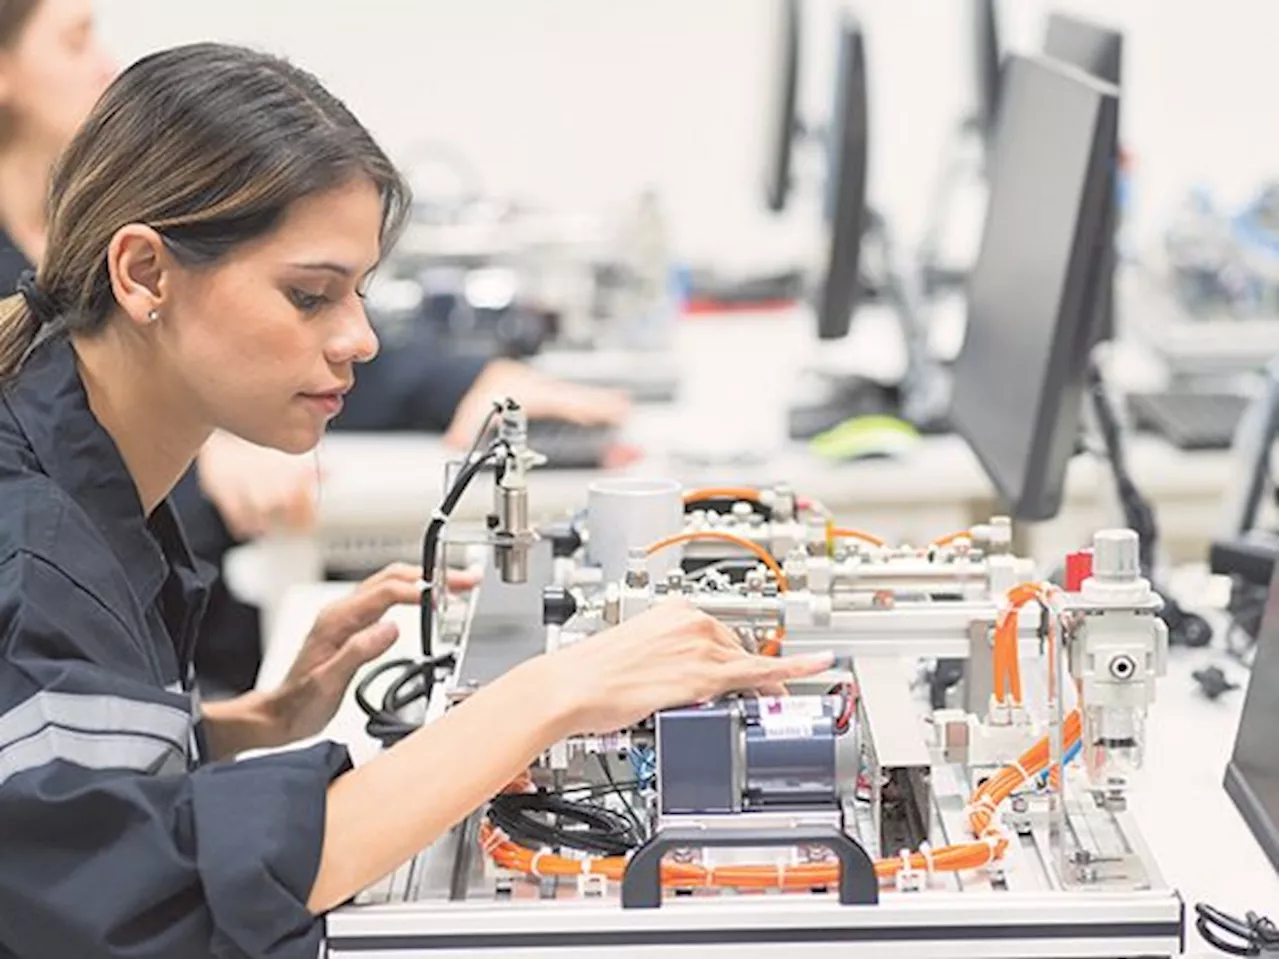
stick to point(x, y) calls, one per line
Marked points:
point(986, 61)
point(783, 126)
point(1019, 378)
point(1097, 50)
point(846, 196)
point(1092, 47)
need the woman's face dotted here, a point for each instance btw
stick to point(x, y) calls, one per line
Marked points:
point(53, 73)
point(264, 343)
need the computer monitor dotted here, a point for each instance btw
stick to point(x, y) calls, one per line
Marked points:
point(1251, 779)
point(846, 193)
point(986, 62)
point(1019, 378)
point(1095, 49)
point(784, 80)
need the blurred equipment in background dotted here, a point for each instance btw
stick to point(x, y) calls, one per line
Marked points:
point(954, 225)
point(858, 285)
point(1213, 317)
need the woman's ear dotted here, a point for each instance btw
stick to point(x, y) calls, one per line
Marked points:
point(140, 267)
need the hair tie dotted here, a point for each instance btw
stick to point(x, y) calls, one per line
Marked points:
point(40, 303)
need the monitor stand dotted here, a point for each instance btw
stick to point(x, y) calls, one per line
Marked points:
point(858, 375)
point(957, 210)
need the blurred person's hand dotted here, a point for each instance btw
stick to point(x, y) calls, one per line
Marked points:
point(542, 396)
point(257, 489)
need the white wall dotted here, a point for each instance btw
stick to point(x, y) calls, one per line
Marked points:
point(578, 103)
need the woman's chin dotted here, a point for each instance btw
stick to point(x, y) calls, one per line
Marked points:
point(296, 439)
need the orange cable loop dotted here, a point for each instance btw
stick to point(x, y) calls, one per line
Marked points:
point(723, 492)
point(707, 534)
point(842, 532)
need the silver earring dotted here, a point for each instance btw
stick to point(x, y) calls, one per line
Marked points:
point(152, 316)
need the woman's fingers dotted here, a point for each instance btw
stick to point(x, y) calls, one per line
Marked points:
point(759, 672)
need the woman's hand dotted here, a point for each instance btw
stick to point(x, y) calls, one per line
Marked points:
point(257, 489)
point(347, 634)
point(541, 396)
point(671, 655)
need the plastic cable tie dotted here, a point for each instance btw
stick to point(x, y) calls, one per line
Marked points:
point(533, 863)
point(992, 840)
point(927, 852)
point(1026, 777)
point(782, 874)
point(905, 855)
point(439, 516)
point(493, 840)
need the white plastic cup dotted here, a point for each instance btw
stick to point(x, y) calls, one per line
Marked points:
point(625, 513)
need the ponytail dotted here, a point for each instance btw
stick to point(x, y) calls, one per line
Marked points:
point(18, 329)
point(21, 317)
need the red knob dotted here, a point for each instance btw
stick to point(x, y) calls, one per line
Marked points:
point(1079, 568)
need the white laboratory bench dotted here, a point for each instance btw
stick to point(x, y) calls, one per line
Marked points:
point(1199, 841)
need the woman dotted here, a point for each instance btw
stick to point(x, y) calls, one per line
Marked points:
point(209, 230)
point(51, 72)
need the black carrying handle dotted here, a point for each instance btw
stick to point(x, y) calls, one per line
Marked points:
point(642, 877)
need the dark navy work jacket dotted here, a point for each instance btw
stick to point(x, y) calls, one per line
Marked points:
point(117, 837)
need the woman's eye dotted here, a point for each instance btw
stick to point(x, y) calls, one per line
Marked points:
point(307, 302)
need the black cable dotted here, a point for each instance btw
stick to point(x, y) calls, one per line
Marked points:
point(431, 539)
point(1246, 607)
point(617, 791)
point(597, 789)
point(1255, 934)
point(483, 431)
point(945, 674)
point(1185, 629)
point(384, 724)
point(598, 830)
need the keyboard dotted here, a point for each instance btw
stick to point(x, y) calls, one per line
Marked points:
point(568, 446)
point(1190, 421)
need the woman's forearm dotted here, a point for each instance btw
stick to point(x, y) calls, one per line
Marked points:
point(235, 725)
point(384, 812)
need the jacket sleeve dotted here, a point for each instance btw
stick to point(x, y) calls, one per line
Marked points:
point(114, 844)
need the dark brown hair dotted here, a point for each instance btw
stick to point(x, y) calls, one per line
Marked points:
point(13, 17)
point(208, 144)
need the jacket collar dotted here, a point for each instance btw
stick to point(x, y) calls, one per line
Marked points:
point(48, 399)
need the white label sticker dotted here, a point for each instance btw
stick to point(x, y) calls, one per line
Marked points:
point(786, 727)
